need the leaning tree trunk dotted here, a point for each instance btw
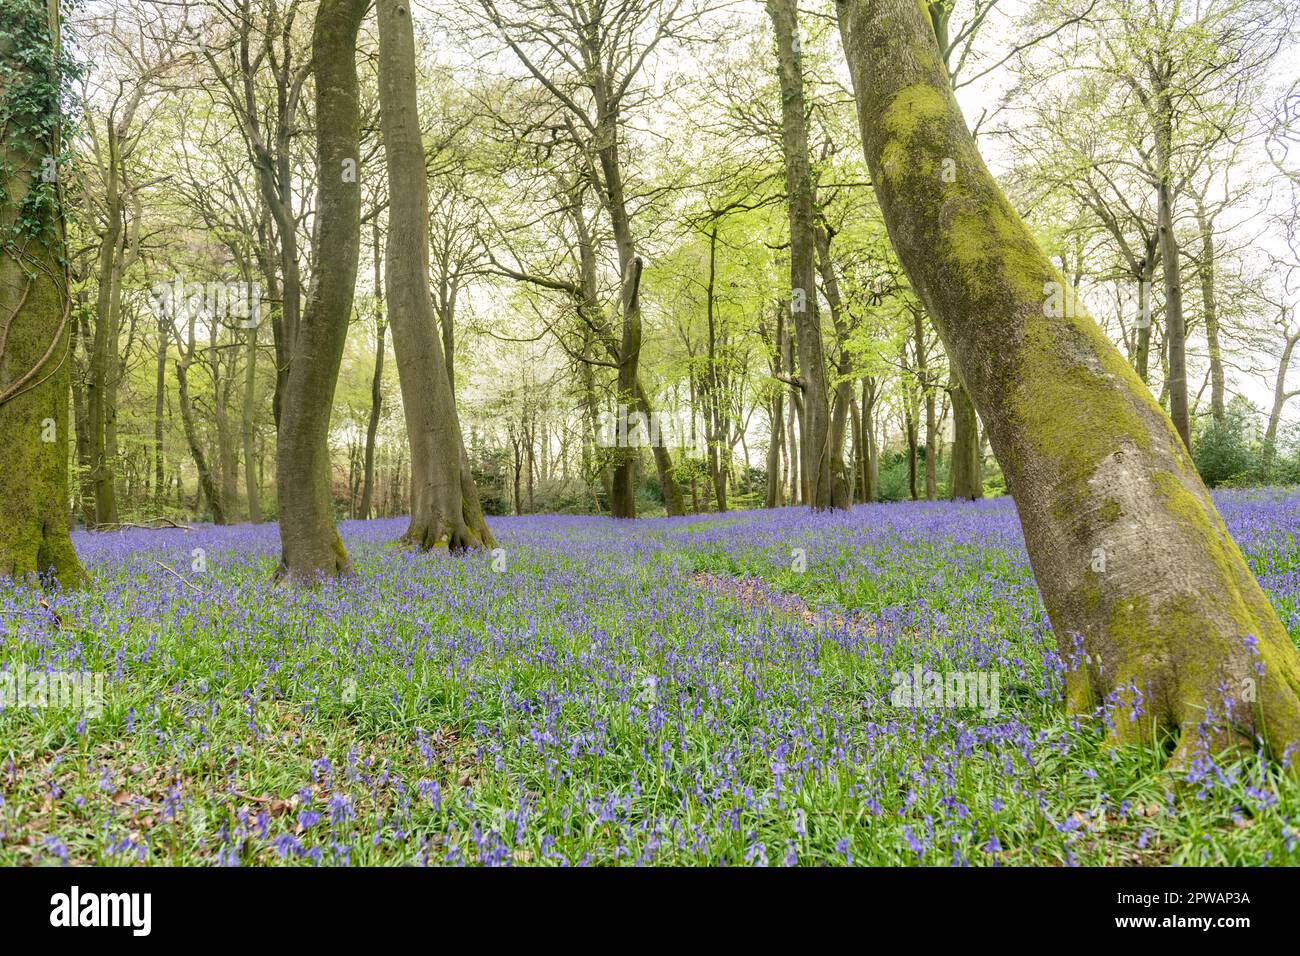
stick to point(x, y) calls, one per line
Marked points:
point(1153, 604)
point(309, 539)
point(444, 501)
point(672, 491)
point(1280, 397)
point(36, 306)
point(207, 483)
point(817, 453)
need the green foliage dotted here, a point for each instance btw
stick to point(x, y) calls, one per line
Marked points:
point(35, 72)
point(1226, 453)
point(893, 478)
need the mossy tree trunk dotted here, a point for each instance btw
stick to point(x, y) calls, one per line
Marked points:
point(309, 539)
point(35, 305)
point(444, 500)
point(1154, 606)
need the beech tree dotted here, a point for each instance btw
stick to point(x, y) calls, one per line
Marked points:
point(444, 500)
point(310, 542)
point(1153, 604)
point(823, 464)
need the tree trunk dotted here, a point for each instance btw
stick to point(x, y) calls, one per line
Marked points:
point(773, 497)
point(927, 396)
point(815, 418)
point(227, 458)
point(591, 403)
point(606, 141)
point(674, 504)
point(1281, 396)
point(249, 431)
point(444, 500)
point(913, 450)
point(871, 480)
point(623, 501)
point(81, 424)
point(208, 486)
point(1175, 327)
point(103, 356)
point(36, 304)
point(159, 405)
point(841, 490)
point(1145, 589)
point(1210, 308)
point(376, 388)
point(1142, 354)
point(309, 539)
point(967, 484)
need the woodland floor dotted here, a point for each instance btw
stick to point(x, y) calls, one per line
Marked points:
point(709, 689)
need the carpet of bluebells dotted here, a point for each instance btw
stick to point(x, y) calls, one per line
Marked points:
point(710, 689)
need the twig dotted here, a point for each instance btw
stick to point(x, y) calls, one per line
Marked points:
point(178, 577)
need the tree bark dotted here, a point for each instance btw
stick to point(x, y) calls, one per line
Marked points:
point(227, 458)
point(207, 483)
point(967, 484)
point(1280, 397)
point(376, 387)
point(35, 311)
point(815, 418)
point(248, 429)
point(1142, 355)
point(1147, 592)
point(841, 490)
point(1210, 310)
point(309, 539)
point(79, 330)
point(776, 407)
point(444, 500)
point(104, 347)
point(1175, 327)
point(927, 396)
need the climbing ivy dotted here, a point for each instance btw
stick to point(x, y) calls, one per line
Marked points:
point(35, 73)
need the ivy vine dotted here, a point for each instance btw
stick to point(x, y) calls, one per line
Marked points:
point(35, 75)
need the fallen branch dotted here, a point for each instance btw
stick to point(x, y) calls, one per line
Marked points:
point(178, 577)
point(153, 524)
